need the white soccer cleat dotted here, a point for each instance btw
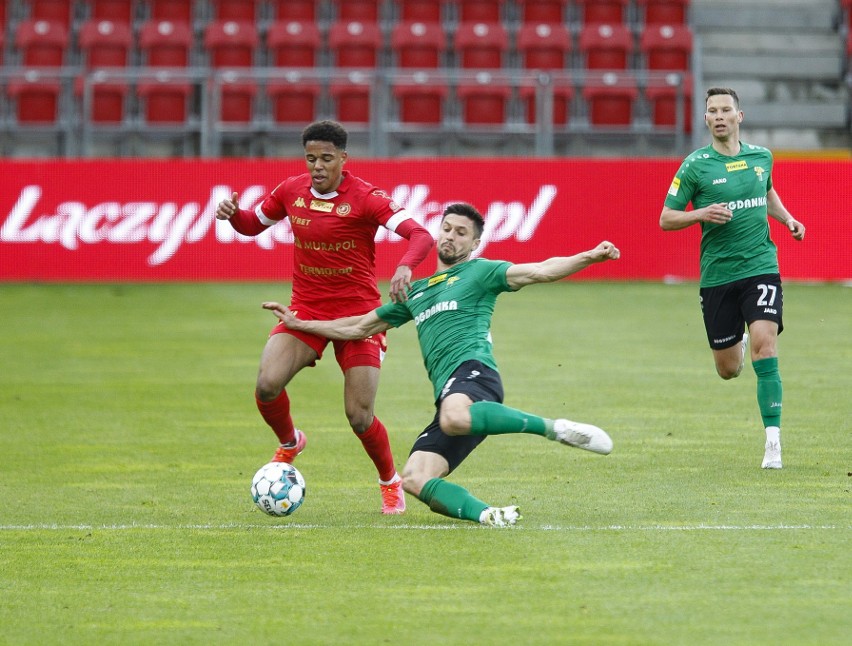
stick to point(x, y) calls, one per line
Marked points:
point(744, 346)
point(772, 456)
point(583, 436)
point(500, 516)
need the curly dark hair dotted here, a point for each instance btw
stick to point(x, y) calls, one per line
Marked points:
point(329, 131)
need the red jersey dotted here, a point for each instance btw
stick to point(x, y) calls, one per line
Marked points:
point(334, 242)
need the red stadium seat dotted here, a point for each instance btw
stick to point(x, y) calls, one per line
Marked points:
point(293, 99)
point(53, 10)
point(664, 12)
point(562, 96)
point(352, 98)
point(293, 43)
point(174, 10)
point(286, 10)
point(421, 10)
point(115, 10)
point(236, 9)
point(36, 99)
point(165, 43)
point(231, 43)
point(421, 97)
point(663, 101)
point(2, 46)
point(236, 98)
point(606, 46)
point(108, 99)
point(418, 44)
point(484, 99)
point(479, 10)
point(105, 43)
point(361, 10)
point(165, 100)
point(2, 16)
point(543, 46)
point(355, 43)
point(611, 97)
point(481, 45)
point(603, 11)
point(666, 47)
point(42, 43)
point(550, 11)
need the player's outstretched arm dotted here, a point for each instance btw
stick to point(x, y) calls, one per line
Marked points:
point(350, 327)
point(559, 267)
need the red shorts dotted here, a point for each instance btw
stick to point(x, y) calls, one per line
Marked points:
point(349, 354)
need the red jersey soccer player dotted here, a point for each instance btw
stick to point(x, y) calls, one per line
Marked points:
point(334, 216)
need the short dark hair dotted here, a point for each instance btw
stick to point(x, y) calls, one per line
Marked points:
point(468, 211)
point(329, 131)
point(716, 91)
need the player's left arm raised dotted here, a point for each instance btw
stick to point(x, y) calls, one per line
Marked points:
point(556, 268)
point(778, 211)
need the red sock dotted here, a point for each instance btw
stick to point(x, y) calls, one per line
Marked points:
point(377, 446)
point(277, 415)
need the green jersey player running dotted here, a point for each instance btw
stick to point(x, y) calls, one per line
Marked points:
point(452, 311)
point(730, 186)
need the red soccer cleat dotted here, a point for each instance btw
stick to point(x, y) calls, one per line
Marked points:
point(393, 497)
point(288, 453)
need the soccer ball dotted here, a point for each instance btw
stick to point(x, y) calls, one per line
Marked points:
point(278, 489)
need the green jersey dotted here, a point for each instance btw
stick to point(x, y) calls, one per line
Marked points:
point(452, 311)
point(742, 247)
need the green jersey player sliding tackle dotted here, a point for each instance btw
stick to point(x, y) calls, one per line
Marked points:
point(731, 189)
point(452, 311)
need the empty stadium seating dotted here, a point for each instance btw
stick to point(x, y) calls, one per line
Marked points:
point(352, 96)
point(293, 43)
point(248, 10)
point(355, 43)
point(484, 99)
point(176, 10)
point(610, 97)
point(606, 46)
point(550, 11)
point(231, 43)
point(663, 12)
point(421, 10)
point(479, 10)
point(666, 47)
point(53, 10)
point(104, 44)
point(36, 99)
point(543, 46)
point(603, 11)
point(361, 10)
point(663, 98)
point(165, 43)
point(293, 98)
point(418, 44)
point(115, 10)
point(294, 9)
point(481, 45)
point(42, 43)
point(421, 97)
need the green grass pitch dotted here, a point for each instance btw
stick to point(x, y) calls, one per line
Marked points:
point(129, 435)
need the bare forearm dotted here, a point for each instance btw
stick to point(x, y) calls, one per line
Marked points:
point(671, 220)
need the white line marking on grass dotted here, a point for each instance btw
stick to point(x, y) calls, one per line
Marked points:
point(285, 525)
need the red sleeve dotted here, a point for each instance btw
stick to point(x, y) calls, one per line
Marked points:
point(420, 242)
point(247, 223)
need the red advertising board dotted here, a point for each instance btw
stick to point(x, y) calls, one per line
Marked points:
point(152, 220)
